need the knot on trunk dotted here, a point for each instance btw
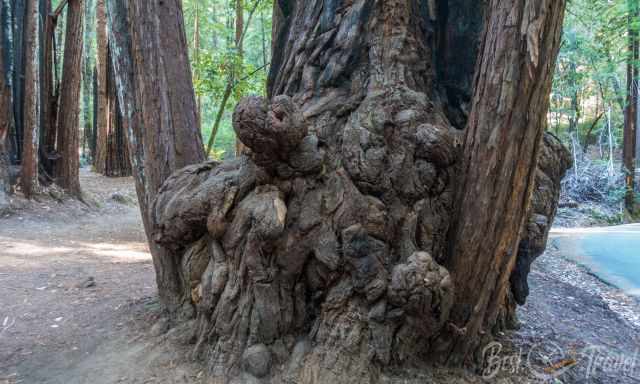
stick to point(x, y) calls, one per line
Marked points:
point(424, 290)
point(272, 131)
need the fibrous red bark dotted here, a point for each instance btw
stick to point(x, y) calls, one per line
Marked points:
point(102, 69)
point(29, 172)
point(359, 229)
point(159, 114)
point(68, 117)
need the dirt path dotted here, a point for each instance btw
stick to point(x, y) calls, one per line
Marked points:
point(77, 291)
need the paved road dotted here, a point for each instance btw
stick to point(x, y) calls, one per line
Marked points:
point(611, 253)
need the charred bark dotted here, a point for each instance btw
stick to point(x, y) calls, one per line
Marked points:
point(359, 231)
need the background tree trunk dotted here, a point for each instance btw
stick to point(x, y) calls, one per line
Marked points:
point(87, 79)
point(29, 173)
point(68, 140)
point(631, 112)
point(5, 127)
point(103, 90)
point(50, 105)
point(240, 52)
point(117, 162)
point(332, 250)
point(196, 58)
point(20, 17)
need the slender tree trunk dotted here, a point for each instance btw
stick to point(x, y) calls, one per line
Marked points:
point(29, 173)
point(50, 105)
point(333, 249)
point(117, 162)
point(240, 52)
point(94, 131)
point(196, 57)
point(6, 93)
point(159, 112)
point(87, 79)
point(68, 141)
point(5, 125)
point(103, 92)
point(20, 38)
point(629, 133)
point(233, 77)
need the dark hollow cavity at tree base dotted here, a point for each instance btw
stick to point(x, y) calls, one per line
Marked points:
point(319, 256)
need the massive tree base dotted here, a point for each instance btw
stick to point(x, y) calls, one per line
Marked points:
point(294, 272)
point(319, 256)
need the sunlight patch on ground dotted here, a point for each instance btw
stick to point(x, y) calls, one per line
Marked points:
point(22, 249)
point(15, 251)
point(125, 252)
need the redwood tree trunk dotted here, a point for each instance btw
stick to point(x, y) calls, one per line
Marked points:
point(29, 172)
point(158, 106)
point(50, 105)
point(375, 221)
point(69, 110)
point(117, 162)
point(502, 142)
point(102, 66)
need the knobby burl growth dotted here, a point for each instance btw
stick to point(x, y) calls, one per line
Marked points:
point(318, 256)
point(291, 269)
point(282, 250)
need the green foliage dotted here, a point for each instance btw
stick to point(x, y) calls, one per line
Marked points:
point(591, 72)
point(218, 64)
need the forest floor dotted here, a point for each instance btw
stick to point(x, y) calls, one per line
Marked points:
point(77, 291)
point(77, 305)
